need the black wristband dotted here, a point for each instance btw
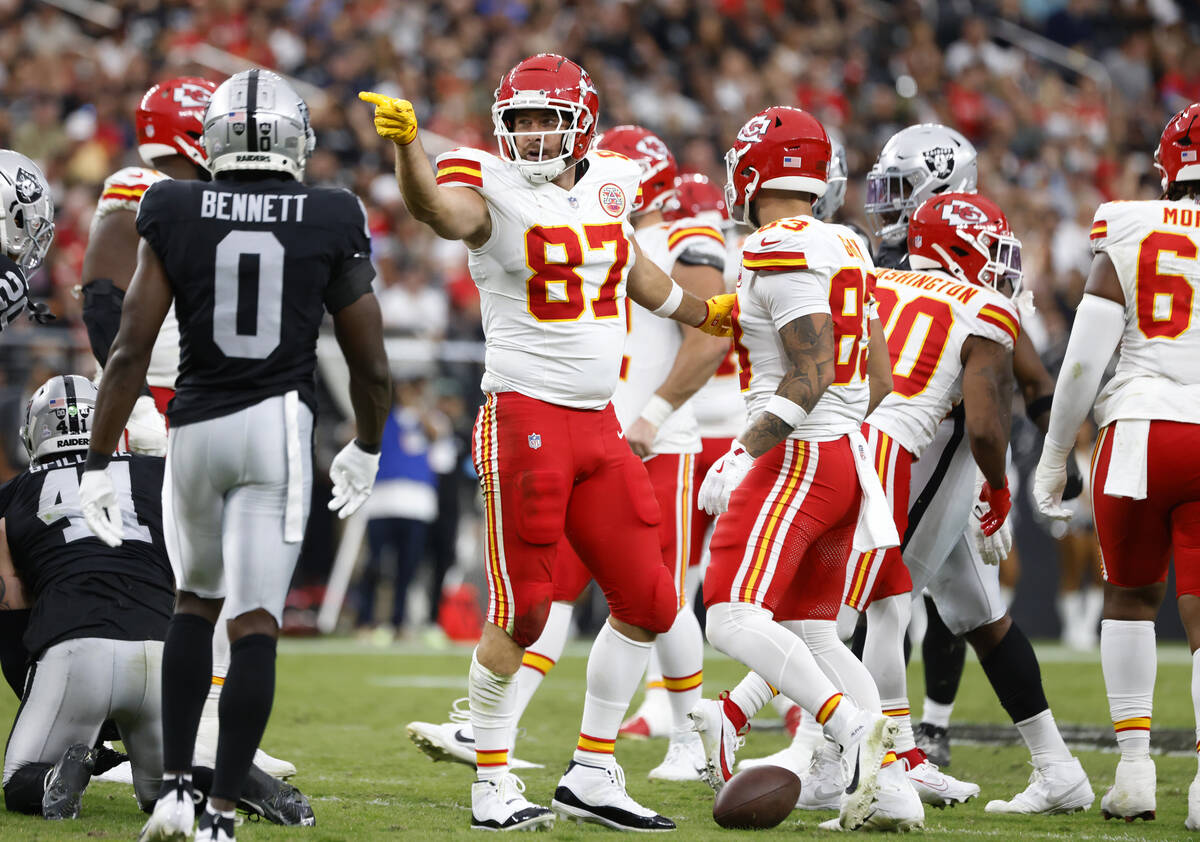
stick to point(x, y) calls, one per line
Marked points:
point(1038, 406)
point(373, 449)
point(96, 461)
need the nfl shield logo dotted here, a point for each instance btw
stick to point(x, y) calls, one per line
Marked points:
point(535, 441)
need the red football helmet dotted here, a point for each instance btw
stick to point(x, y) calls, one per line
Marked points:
point(780, 148)
point(967, 235)
point(695, 194)
point(170, 119)
point(1178, 153)
point(659, 170)
point(554, 82)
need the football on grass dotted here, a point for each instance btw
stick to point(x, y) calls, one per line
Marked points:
point(759, 797)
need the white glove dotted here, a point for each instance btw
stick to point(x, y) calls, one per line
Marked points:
point(353, 474)
point(1049, 480)
point(100, 509)
point(146, 428)
point(993, 548)
point(724, 476)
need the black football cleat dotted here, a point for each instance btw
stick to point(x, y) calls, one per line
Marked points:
point(274, 800)
point(68, 779)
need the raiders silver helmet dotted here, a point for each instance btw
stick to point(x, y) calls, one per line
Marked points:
point(256, 121)
point(27, 221)
point(916, 163)
point(835, 190)
point(58, 418)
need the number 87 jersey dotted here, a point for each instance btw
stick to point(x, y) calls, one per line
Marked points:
point(1155, 248)
point(551, 277)
point(797, 267)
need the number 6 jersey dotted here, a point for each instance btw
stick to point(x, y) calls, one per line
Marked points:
point(552, 275)
point(1155, 247)
point(253, 264)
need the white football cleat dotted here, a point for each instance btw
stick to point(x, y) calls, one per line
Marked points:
point(174, 813)
point(823, 785)
point(1059, 787)
point(454, 740)
point(897, 806)
point(652, 719)
point(501, 805)
point(935, 787)
point(1193, 817)
point(872, 736)
point(720, 740)
point(796, 757)
point(597, 794)
point(214, 828)
point(684, 761)
point(1132, 794)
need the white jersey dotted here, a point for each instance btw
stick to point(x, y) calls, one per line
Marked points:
point(123, 191)
point(720, 410)
point(927, 317)
point(552, 275)
point(1155, 247)
point(796, 267)
point(653, 343)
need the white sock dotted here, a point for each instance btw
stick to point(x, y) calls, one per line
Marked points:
point(681, 653)
point(654, 673)
point(1128, 658)
point(541, 656)
point(493, 698)
point(614, 671)
point(747, 632)
point(1196, 700)
point(752, 694)
point(1040, 733)
point(936, 713)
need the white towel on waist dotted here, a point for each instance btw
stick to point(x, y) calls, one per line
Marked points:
point(1127, 461)
point(876, 528)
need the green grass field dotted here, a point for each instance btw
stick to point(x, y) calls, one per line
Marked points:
point(341, 708)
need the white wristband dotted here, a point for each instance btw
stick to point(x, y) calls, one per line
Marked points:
point(657, 410)
point(789, 412)
point(668, 307)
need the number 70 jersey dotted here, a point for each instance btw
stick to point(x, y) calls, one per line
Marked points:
point(1155, 248)
point(552, 276)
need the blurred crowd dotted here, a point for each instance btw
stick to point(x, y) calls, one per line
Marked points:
point(1064, 99)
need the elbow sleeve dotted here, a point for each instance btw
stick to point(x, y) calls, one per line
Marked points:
point(102, 315)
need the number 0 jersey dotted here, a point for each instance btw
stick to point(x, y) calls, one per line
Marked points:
point(552, 275)
point(927, 317)
point(80, 586)
point(123, 190)
point(1155, 247)
point(652, 343)
point(797, 267)
point(253, 265)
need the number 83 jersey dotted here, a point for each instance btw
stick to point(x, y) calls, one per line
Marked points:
point(551, 277)
point(1155, 248)
point(253, 265)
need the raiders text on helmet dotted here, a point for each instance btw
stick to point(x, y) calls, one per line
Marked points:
point(916, 163)
point(58, 418)
point(256, 121)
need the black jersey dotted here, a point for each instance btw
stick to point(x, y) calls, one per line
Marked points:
point(14, 291)
point(892, 256)
point(80, 586)
point(253, 266)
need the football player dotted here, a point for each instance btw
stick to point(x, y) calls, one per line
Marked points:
point(795, 489)
point(1140, 297)
point(26, 232)
point(239, 470)
point(552, 252)
point(915, 164)
point(169, 124)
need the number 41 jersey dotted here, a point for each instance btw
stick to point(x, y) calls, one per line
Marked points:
point(927, 317)
point(1155, 247)
point(552, 275)
point(253, 265)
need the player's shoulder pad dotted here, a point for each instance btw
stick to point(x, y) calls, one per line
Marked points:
point(608, 168)
point(1116, 220)
point(162, 198)
point(691, 232)
point(8, 266)
point(123, 189)
point(999, 318)
point(787, 245)
point(465, 167)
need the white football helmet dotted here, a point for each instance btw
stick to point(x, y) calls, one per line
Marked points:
point(58, 417)
point(26, 210)
point(256, 121)
point(916, 163)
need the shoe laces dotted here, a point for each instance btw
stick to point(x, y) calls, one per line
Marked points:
point(510, 783)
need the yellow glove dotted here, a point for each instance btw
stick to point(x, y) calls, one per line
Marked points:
point(394, 118)
point(718, 321)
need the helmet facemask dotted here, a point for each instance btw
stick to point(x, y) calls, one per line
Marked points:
point(892, 196)
point(574, 122)
point(739, 206)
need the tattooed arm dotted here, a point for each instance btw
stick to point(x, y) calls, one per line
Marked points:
point(808, 344)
